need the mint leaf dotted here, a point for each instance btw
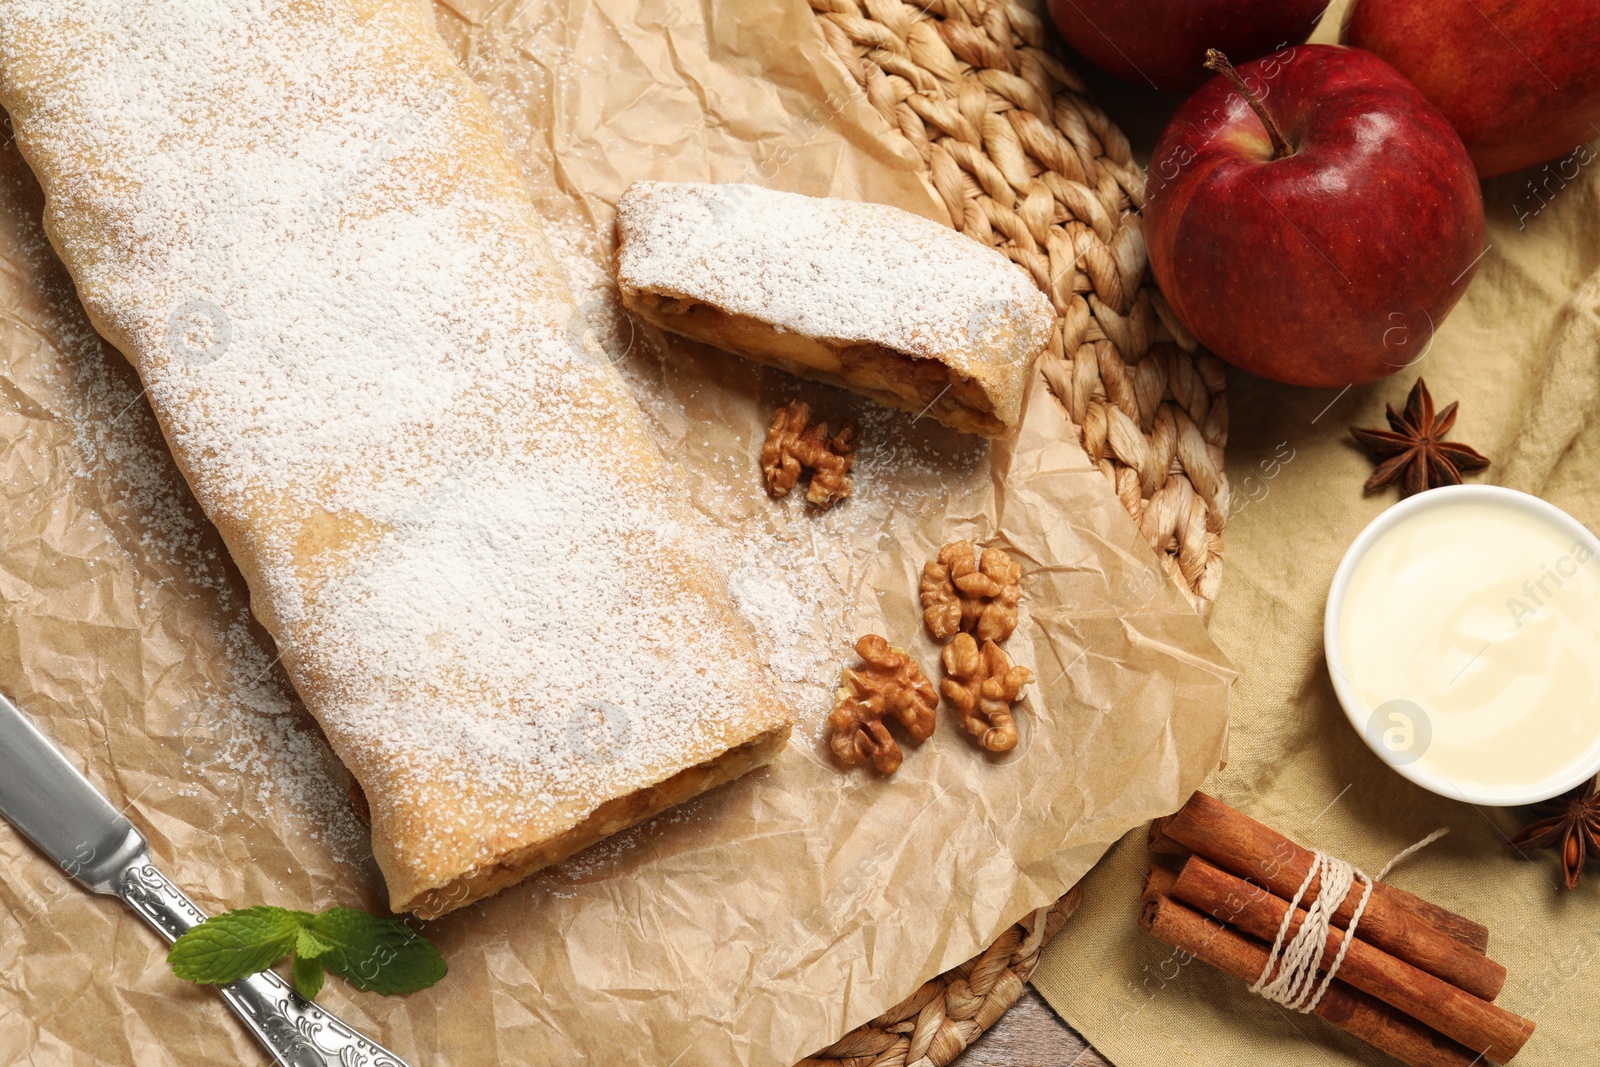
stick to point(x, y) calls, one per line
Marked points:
point(375, 954)
point(307, 975)
point(235, 944)
point(308, 945)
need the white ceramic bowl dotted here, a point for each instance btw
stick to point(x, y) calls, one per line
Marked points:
point(1355, 709)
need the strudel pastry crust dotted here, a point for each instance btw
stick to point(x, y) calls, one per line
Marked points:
point(300, 222)
point(881, 301)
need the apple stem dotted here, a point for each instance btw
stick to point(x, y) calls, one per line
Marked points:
point(1218, 62)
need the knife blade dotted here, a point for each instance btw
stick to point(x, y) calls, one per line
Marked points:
point(58, 809)
point(53, 805)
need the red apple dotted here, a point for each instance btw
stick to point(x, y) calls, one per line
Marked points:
point(1518, 79)
point(1163, 43)
point(1322, 250)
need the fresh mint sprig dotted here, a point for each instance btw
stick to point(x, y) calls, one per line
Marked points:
point(372, 953)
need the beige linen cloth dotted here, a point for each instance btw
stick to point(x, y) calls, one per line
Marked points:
point(1521, 352)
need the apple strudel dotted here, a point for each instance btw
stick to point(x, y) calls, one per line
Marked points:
point(300, 222)
point(870, 297)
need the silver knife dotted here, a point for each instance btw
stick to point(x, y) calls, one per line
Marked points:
point(72, 822)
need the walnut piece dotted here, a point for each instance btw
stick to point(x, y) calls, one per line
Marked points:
point(888, 685)
point(981, 686)
point(794, 447)
point(960, 592)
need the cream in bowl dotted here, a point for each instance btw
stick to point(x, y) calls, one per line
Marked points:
point(1463, 638)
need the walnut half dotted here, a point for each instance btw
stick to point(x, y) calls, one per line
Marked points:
point(981, 685)
point(794, 447)
point(889, 684)
point(960, 592)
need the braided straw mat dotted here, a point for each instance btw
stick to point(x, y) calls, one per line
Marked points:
point(935, 1024)
point(1024, 161)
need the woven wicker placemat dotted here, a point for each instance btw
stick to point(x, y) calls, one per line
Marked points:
point(935, 1024)
point(1023, 160)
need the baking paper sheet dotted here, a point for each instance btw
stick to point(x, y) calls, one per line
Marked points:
point(752, 925)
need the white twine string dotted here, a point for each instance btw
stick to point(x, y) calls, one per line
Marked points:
point(1295, 985)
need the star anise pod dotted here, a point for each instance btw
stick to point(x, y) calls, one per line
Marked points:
point(1413, 450)
point(1571, 826)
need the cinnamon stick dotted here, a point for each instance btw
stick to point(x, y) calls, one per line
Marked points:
point(1475, 1023)
point(1407, 927)
point(1203, 809)
point(1362, 1016)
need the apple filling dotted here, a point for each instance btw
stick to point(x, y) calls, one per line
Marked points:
point(892, 378)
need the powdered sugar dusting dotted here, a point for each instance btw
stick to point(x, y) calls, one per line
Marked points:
point(241, 738)
point(339, 300)
point(801, 575)
point(797, 574)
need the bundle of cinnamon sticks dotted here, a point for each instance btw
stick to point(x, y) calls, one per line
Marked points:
point(1416, 981)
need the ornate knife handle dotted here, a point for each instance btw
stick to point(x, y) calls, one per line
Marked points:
point(296, 1031)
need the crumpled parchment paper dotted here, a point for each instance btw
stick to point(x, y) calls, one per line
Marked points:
point(752, 925)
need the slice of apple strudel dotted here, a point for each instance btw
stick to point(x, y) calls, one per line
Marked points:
point(873, 298)
point(301, 223)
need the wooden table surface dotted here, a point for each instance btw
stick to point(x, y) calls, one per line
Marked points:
point(1031, 1034)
